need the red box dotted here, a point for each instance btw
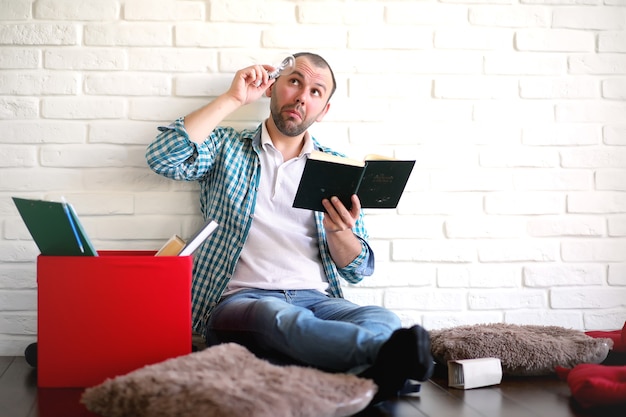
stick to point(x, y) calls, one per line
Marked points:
point(104, 316)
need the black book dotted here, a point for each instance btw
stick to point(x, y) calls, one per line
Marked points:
point(378, 182)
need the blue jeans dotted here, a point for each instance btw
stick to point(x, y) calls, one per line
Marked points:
point(304, 327)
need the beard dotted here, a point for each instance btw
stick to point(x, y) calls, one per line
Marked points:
point(286, 125)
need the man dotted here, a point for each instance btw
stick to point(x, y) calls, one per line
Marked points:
point(268, 278)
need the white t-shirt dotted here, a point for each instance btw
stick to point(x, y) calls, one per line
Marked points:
point(281, 251)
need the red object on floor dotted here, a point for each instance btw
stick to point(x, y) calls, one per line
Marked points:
point(99, 317)
point(618, 337)
point(594, 385)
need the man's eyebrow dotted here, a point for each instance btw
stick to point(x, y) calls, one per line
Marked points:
point(301, 75)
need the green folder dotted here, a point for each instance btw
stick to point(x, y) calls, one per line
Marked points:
point(55, 228)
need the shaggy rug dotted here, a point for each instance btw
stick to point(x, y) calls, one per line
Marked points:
point(228, 381)
point(522, 349)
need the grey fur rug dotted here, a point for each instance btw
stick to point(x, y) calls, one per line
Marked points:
point(522, 349)
point(228, 381)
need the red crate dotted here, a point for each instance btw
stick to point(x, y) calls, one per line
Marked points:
point(99, 317)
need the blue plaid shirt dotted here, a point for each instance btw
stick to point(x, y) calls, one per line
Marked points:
point(227, 167)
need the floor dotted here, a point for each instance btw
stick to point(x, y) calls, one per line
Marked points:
point(514, 397)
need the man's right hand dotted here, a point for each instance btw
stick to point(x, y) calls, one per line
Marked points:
point(250, 83)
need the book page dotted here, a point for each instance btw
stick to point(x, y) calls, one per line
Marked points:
point(323, 156)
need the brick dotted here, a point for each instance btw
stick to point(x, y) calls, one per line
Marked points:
point(122, 132)
point(560, 226)
point(525, 63)
point(474, 38)
point(18, 156)
point(402, 37)
point(363, 13)
point(19, 59)
point(607, 157)
point(563, 134)
point(19, 180)
point(91, 156)
point(529, 203)
point(441, 203)
point(248, 11)
point(617, 226)
point(514, 111)
point(587, 298)
point(521, 157)
point(599, 250)
point(475, 88)
point(172, 60)
point(400, 274)
point(18, 108)
point(547, 276)
point(22, 323)
point(169, 108)
point(617, 274)
point(85, 59)
point(614, 89)
point(217, 35)
point(615, 134)
point(388, 226)
point(480, 276)
point(129, 179)
point(206, 85)
point(88, 10)
point(15, 9)
point(589, 18)
point(483, 227)
point(586, 112)
point(612, 41)
point(596, 202)
point(128, 34)
point(25, 132)
point(164, 10)
point(506, 299)
point(83, 108)
point(38, 34)
point(424, 299)
point(517, 251)
point(552, 40)
point(36, 84)
point(18, 275)
point(611, 179)
point(569, 320)
point(412, 13)
point(549, 179)
point(603, 320)
point(552, 87)
point(303, 38)
point(18, 300)
point(510, 16)
point(471, 180)
point(128, 84)
point(597, 64)
point(428, 250)
point(185, 203)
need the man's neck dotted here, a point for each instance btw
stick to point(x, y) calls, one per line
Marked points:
point(289, 146)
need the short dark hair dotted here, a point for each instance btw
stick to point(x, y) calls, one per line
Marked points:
point(321, 63)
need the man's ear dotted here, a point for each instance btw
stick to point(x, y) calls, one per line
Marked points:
point(268, 91)
point(323, 113)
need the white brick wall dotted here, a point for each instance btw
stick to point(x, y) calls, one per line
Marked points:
point(515, 113)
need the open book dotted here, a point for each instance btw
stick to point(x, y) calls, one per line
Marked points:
point(378, 181)
point(177, 246)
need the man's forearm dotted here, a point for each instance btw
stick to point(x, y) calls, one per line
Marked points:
point(344, 247)
point(200, 123)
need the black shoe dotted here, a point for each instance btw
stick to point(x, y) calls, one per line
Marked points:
point(406, 355)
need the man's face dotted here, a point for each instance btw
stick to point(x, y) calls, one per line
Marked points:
point(300, 98)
